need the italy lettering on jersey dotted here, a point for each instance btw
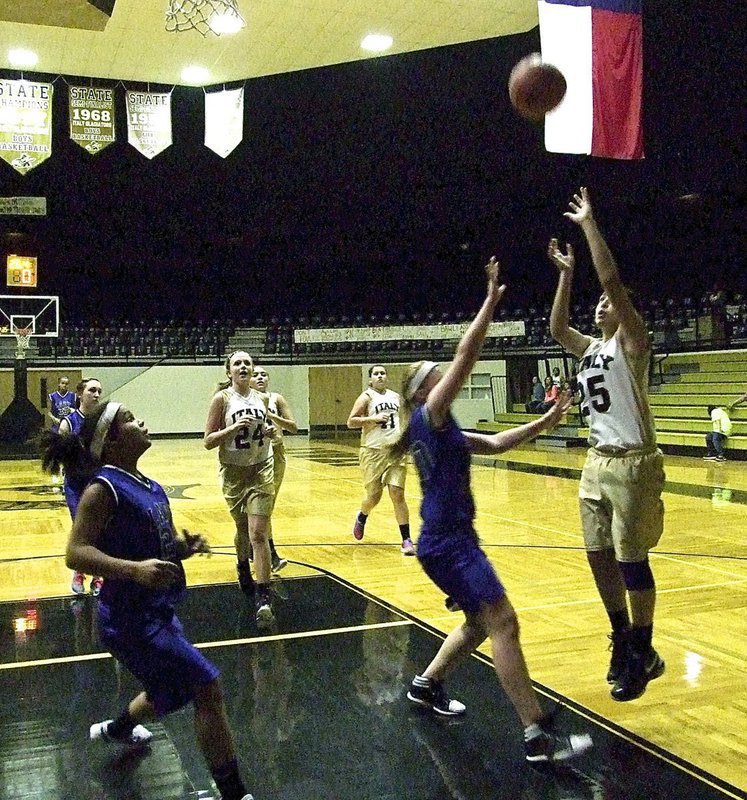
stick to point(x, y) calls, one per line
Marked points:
point(250, 445)
point(614, 397)
point(140, 528)
point(386, 432)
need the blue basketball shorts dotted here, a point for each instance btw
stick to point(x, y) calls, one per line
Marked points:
point(464, 573)
point(169, 666)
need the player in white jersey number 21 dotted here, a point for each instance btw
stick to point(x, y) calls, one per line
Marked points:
point(376, 414)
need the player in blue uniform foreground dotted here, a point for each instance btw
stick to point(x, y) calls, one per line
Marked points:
point(123, 530)
point(448, 547)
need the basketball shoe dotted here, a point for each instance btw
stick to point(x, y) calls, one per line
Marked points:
point(359, 528)
point(78, 584)
point(139, 737)
point(619, 645)
point(408, 548)
point(542, 744)
point(640, 668)
point(431, 694)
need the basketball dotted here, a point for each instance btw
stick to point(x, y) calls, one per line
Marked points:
point(535, 88)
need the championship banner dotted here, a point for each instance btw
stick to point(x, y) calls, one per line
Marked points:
point(25, 123)
point(23, 206)
point(224, 120)
point(92, 117)
point(149, 122)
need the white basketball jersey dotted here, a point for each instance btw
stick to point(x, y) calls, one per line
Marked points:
point(381, 435)
point(614, 397)
point(250, 445)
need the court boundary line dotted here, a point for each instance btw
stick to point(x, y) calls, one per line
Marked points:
point(409, 619)
point(102, 656)
point(586, 713)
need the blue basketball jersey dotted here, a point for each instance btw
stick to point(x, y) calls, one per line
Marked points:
point(442, 458)
point(140, 528)
point(61, 405)
point(75, 420)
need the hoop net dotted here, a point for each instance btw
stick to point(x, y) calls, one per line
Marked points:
point(23, 341)
point(205, 16)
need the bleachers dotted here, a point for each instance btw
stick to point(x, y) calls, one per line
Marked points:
point(692, 382)
point(674, 325)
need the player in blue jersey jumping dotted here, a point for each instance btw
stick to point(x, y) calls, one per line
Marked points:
point(448, 547)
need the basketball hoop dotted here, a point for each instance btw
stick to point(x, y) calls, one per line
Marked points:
point(205, 16)
point(23, 341)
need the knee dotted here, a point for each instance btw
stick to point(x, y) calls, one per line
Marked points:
point(637, 576)
point(209, 695)
point(502, 620)
point(474, 631)
point(374, 495)
point(258, 528)
point(397, 493)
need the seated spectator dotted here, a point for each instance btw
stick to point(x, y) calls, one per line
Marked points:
point(556, 377)
point(537, 398)
point(716, 439)
point(551, 395)
point(740, 401)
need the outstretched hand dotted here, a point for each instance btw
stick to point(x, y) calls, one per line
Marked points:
point(556, 413)
point(565, 262)
point(580, 206)
point(194, 543)
point(493, 270)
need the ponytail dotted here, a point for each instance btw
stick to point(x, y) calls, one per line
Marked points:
point(72, 451)
point(402, 445)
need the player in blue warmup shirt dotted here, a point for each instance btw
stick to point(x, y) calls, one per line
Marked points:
point(123, 530)
point(448, 547)
point(61, 402)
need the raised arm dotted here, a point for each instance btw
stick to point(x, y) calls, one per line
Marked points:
point(468, 351)
point(489, 444)
point(567, 337)
point(633, 331)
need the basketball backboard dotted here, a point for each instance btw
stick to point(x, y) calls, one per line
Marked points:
point(39, 313)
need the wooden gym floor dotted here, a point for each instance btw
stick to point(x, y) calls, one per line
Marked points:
point(691, 722)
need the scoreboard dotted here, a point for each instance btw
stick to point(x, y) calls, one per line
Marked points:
point(21, 271)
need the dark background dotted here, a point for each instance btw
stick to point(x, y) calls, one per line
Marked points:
point(381, 186)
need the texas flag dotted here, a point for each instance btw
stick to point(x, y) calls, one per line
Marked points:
point(598, 46)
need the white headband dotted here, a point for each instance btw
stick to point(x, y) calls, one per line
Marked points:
point(424, 370)
point(102, 428)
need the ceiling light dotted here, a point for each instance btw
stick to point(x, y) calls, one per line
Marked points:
point(377, 42)
point(226, 22)
point(22, 58)
point(195, 75)
point(205, 16)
